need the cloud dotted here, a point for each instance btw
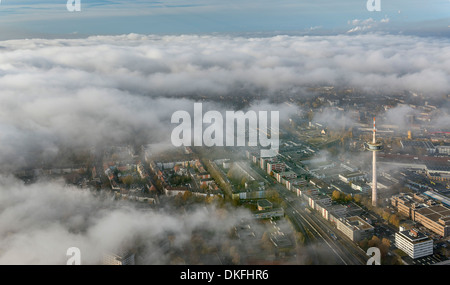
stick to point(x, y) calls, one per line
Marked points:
point(335, 119)
point(39, 222)
point(366, 25)
point(120, 89)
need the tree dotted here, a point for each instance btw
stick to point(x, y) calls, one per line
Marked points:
point(364, 244)
point(394, 220)
point(273, 196)
point(187, 195)
point(386, 215)
point(310, 115)
point(348, 198)
point(300, 238)
point(357, 198)
point(374, 242)
point(128, 180)
point(386, 242)
point(336, 196)
point(244, 179)
point(384, 246)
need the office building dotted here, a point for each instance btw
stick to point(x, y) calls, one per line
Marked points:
point(414, 243)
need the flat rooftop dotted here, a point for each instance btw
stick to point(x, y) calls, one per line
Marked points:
point(358, 223)
point(434, 213)
point(353, 174)
point(414, 236)
point(420, 144)
point(264, 203)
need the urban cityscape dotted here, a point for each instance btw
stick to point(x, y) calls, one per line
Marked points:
point(325, 198)
point(284, 141)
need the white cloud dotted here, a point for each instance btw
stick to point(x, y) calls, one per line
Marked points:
point(365, 25)
point(39, 222)
point(110, 89)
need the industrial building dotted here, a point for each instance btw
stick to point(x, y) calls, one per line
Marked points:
point(425, 145)
point(422, 209)
point(352, 176)
point(435, 218)
point(438, 172)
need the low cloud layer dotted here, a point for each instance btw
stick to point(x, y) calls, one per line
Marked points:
point(33, 232)
point(119, 89)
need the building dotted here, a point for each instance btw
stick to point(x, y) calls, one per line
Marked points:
point(424, 145)
point(174, 191)
point(438, 172)
point(285, 174)
point(141, 170)
point(435, 218)
point(294, 184)
point(327, 210)
point(264, 160)
point(414, 243)
point(203, 175)
point(319, 183)
point(403, 203)
point(443, 149)
point(226, 164)
point(321, 198)
point(244, 195)
point(206, 182)
point(360, 186)
point(121, 258)
point(264, 204)
point(269, 214)
point(280, 240)
point(352, 176)
point(275, 167)
point(422, 209)
point(301, 192)
point(355, 228)
point(436, 196)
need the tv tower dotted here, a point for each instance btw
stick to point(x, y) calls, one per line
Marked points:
point(374, 146)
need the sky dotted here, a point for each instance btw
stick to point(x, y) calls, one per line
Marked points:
point(50, 18)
